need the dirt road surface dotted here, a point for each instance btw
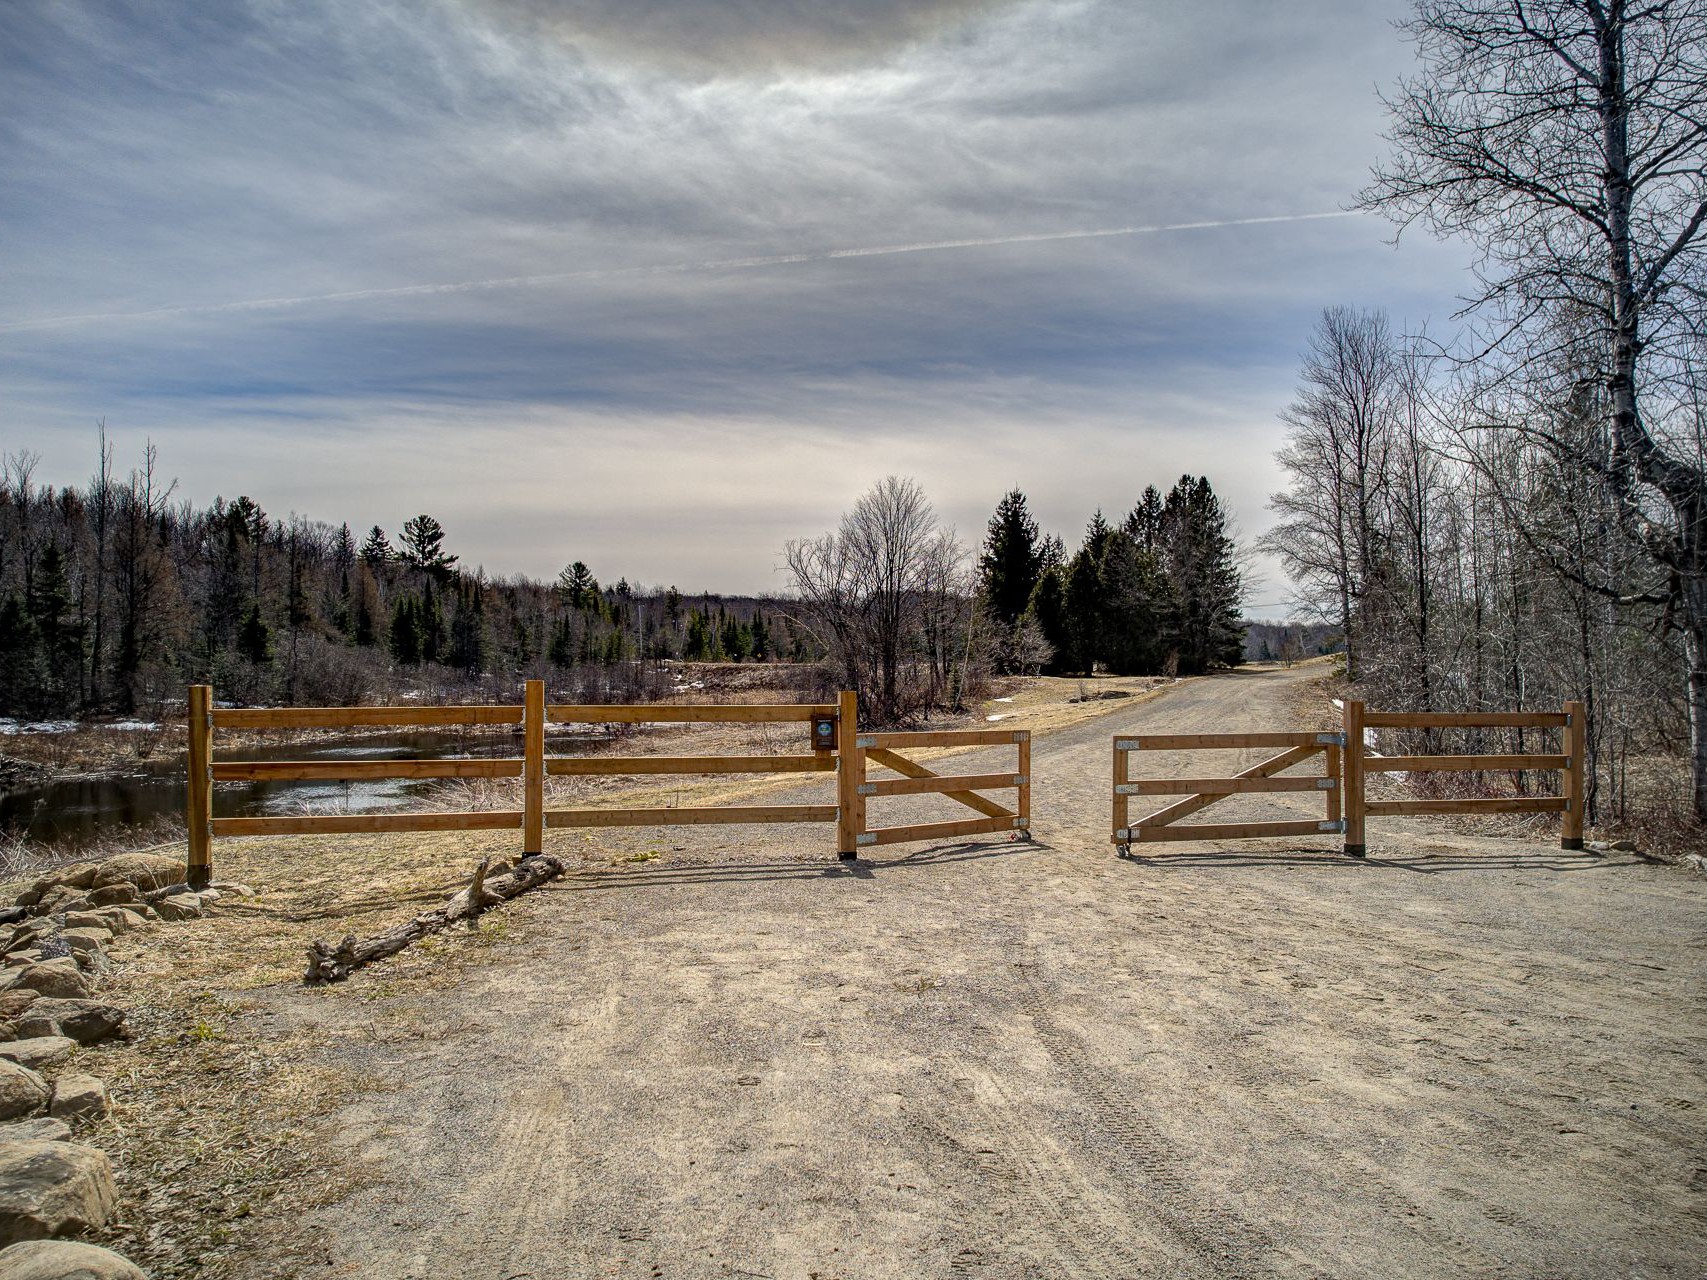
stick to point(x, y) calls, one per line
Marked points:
point(1464, 1057)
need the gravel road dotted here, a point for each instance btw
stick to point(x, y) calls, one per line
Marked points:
point(1465, 1056)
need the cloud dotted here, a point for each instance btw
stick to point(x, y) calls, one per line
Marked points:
point(736, 37)
point(690, 231)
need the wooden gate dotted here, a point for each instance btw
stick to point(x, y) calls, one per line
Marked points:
point(859, 750)
point(1202, 792)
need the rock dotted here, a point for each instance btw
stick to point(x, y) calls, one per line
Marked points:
point(79, 1097)
point(115, 895)
point(60, 898)
point(209, 895)
point(22, 1091)
point(16, 1000)
point(29, 897)
point(143, 871)
point(65, 1260)
point(1623, 846)
point(1695, 862)
point(26, 937)
point(59, 978)
point(89, 919)
point(52, 1188)
point(119, 920)
point(24, 958)
point(81, 940)
point(11, 915)
point(233, 887)
point(38, 1051)
point(40, 1129)
point(85, 1021)
point(179, 906)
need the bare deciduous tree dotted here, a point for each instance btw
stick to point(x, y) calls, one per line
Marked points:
point(1567, 140)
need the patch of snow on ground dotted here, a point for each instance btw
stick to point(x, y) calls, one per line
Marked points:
point(1006, 715)
point(10, 727)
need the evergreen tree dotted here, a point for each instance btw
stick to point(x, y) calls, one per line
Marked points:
point(1199, 559)
point(1133, 596)
point(405, 635)
point(53, 611)
point(468, 630)
point(579, 587)
point(423, 547)
point(1012, 559)
point(1082, 611)
point(376, 552)
point(1048, 609)
point(761, 638)
point(21, 665)
point(255, 639)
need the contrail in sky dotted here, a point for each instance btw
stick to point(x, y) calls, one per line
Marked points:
point(678, 268)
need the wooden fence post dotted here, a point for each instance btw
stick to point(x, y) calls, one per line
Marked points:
point(533, 769)
point(1331, 767)
point(1122, 806)
point(1022, 809)
point(850, 773)
point(1576, 747)
point(198, 807)
point(1352, 782)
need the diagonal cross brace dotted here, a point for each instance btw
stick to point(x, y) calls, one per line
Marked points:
point(912, 769)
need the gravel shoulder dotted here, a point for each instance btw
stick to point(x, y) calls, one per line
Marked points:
point(1466, 1056)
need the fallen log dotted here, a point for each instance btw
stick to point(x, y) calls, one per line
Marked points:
point(334, 963)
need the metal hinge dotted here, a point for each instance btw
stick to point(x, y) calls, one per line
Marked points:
point(1326, 784)
point(866, 789)
point(865, 742)
point(1022, 823)
point(865, 839)
point(1336, 827)
point(1123, 834)
point(1330, 739)
point(1021, 779)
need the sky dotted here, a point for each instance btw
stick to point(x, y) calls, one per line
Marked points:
point(661, 284)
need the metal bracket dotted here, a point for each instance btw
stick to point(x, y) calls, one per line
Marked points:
point(863, 741)
point(866, 789)
point(1022, 735)
point(1020, 779)
point(1336, 827)
point(1326, 784)
point(1022, 823)
point(1126, 788)
point(1330, 739)
point(1122, 835)
point(1127, 744)
point(865, 839)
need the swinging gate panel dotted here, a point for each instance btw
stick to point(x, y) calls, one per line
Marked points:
point(1200, 793)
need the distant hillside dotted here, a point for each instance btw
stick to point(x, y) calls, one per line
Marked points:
point(1271, 641)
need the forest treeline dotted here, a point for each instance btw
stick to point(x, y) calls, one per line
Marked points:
point(116, 594)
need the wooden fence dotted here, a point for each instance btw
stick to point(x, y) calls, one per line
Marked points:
point(830, 741)
point(1202, 792)
point(1568, 763)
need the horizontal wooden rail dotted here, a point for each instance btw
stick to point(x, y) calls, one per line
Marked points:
point(1221, 786)
point(1464, 719)
point(358, 823)
point(1497, 804)
point(1220, 741)
point(359, 717)
point(664, 713)
point(944, 738)
point(937, 786)
point(940, 830)
point(578, 766)
point(728, 814)
point(1461, 764)
point(1226, 831)
point(345, 770)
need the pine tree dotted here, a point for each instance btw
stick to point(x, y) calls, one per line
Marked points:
point(423, 547)
point(22, 670)
point(761, 637)
point(1199, 559)
point(1012, 559)
point(255, 639)
point(579, 587)
point(52, 610)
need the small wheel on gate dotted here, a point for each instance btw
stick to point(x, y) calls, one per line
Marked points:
point(1123, 851)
